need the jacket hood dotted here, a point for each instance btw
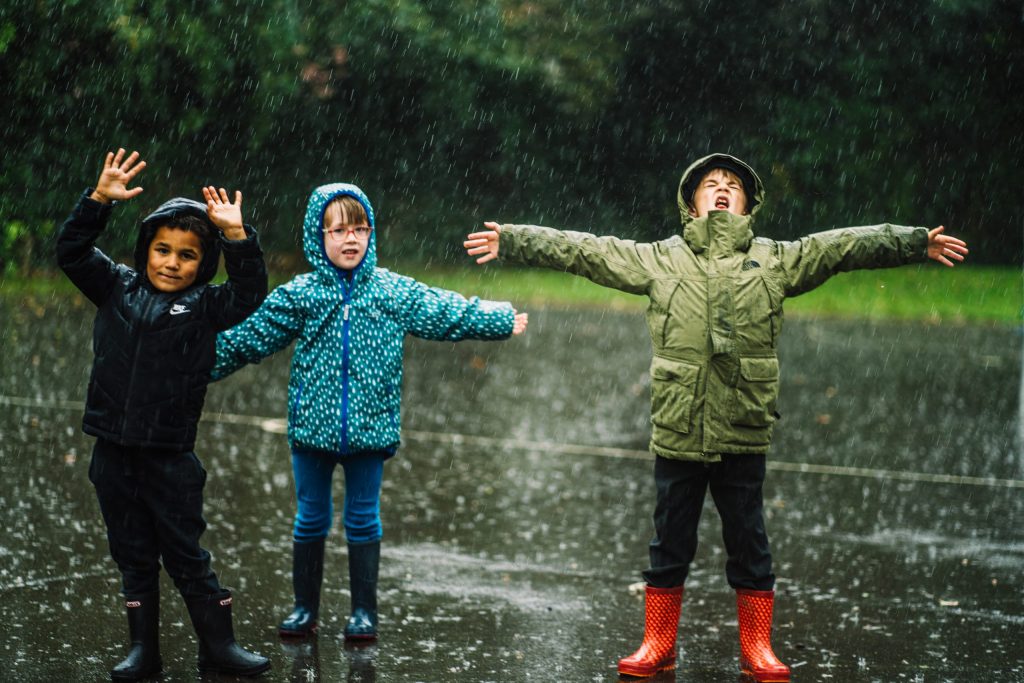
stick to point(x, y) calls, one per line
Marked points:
point(313, 232)
point(164, 214)
point(696, 231)
point(691, 176)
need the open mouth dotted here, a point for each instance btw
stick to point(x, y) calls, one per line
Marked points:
point(349, 252)
point(722, 203)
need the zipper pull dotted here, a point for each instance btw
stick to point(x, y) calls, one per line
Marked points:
point(346, 312)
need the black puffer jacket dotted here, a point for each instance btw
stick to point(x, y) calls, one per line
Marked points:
point(154, 350)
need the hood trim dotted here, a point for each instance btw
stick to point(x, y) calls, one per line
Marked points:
point(696, 170)
point(313, 236)
point(174, 208)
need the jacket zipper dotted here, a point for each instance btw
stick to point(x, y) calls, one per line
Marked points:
point(344, 372)
point(135, 362)
point(708, 415)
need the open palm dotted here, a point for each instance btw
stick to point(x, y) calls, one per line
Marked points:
point(117, 172)
point(484, 244)
point(223, 213)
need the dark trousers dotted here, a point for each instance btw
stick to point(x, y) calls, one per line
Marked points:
point(152, 504)
point(735, 485)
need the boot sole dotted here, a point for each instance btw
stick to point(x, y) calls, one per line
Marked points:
point(766, 678)
point(646, 673)
point(287, 633)
point(214, 669)
point(137, 677)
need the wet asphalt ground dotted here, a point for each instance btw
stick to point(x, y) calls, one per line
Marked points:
point(517, 512)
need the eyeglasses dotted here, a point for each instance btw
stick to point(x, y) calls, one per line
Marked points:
point(338, 234)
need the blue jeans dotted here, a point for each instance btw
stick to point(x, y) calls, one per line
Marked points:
point(314, 471)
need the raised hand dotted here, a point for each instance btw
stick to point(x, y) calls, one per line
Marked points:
point(222, 213)
point(519, 326)
point(485, 243)
point(116, 174)
point(943, 247)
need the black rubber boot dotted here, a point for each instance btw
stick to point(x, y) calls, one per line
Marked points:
point(307, 575)
point(143, 658)
point(218, 651)
point(363, 567)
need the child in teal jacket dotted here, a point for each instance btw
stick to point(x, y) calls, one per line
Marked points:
point(349, 318)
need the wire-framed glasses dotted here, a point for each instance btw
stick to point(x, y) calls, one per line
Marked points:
point(338, 234)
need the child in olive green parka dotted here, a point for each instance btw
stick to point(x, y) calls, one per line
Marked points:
point(715, 313)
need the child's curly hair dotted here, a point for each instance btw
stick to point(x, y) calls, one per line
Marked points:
point(199, 226)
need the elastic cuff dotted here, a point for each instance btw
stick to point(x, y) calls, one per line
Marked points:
point(250, 244)
point(87, 206)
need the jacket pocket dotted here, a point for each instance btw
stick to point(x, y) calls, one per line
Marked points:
point(673, 386)
point(756, 392)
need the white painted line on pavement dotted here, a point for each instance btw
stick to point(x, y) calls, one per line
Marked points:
point(278, 425)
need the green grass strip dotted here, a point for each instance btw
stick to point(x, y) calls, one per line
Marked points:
point(926, 293)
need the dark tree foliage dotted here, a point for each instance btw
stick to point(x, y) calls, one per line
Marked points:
point(578, 114)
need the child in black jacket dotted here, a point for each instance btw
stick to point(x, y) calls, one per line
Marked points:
point(154, 341)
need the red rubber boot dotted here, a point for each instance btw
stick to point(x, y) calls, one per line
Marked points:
point(757, 660)
point(661, 625)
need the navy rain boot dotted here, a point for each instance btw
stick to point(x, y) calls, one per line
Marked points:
point(363, 567)
point(307, 575)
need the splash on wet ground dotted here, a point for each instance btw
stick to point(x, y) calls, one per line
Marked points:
point(506, 560)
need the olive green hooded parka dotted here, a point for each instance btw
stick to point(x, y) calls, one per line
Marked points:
point(715, 307)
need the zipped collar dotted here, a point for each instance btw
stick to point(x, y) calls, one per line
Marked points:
point(720, 231)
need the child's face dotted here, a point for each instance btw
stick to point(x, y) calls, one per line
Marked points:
point(174, 257)
point(719, 190)
point(344, 242)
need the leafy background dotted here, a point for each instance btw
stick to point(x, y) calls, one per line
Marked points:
point(578, 114)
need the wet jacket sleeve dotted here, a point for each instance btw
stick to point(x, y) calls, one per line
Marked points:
point(609, 261)
point(274, 325)
point(815, 258)
point(87, 267)
point(441, 315)
point(232, 302)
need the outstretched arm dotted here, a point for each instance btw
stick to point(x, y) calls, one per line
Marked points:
point(443, 315)
point(85, 265)
point(609, 261)
point(941, 247)
point(246, 287)
point(271, 328)
point(811, 260)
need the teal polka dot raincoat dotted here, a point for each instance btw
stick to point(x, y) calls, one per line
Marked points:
point(345, 387)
